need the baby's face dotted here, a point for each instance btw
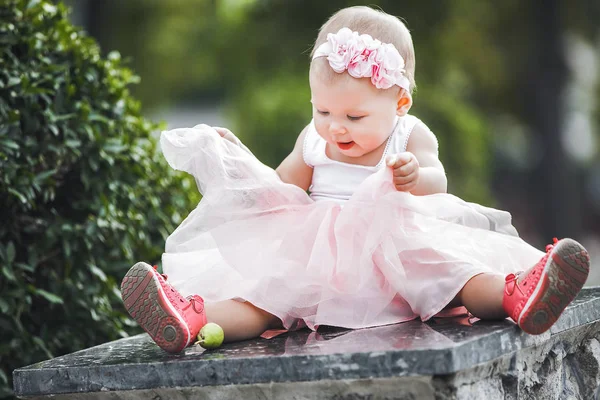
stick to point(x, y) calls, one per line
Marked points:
point(352, 115)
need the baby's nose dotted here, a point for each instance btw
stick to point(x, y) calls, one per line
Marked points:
point(337, 129)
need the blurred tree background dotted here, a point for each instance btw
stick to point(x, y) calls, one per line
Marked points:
point(511, 89)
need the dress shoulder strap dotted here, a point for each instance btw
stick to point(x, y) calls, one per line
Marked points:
point(313, 149)
point(405, 126)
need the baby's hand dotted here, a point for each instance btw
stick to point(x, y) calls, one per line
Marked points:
point(406, 170)
point(228, 135)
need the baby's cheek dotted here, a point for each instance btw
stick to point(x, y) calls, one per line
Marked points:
point(374, 140)
point(321, 130)
point(363, 135)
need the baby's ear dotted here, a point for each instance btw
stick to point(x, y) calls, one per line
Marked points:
point(404, 103)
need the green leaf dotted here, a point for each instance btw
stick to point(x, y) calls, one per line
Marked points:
point(12, 81)
point(98, 272)
point(54, 129)
point(114, 146)
point(25, 267)
point(65, 117)
point(37, 340)
point(10, 252)
point(9, 144)
point(39, 178)
point(114, 56)
point(67, 248)
point(3, 306)
point(98, 117)
point(49, 8)
point(33, 3)
point(73, 143)
point(18, 195)
point(7, 271)
point(52, 298)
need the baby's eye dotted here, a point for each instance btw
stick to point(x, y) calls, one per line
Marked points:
point(323, 112)
point(353, 118)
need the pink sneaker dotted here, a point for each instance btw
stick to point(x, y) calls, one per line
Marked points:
point(536, 298)
point(170, 319)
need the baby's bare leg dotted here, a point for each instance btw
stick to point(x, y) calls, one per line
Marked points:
point(240, 321)
point(482, 295)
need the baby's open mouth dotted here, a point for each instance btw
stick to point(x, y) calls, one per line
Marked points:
point(345, 145)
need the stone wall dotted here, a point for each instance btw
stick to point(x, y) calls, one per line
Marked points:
point(442, 359)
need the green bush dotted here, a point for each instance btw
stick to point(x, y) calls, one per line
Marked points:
point(83, 192)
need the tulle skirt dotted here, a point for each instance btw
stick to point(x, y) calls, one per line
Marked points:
point(381, 257)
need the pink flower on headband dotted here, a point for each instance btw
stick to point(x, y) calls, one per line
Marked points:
point(343, 47)
point(388, 66)
point(364, 57)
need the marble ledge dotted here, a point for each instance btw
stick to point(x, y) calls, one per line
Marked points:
point(439, 347)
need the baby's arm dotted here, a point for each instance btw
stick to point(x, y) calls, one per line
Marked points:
point(419, 170)
point(293, 169)
point(432, 176)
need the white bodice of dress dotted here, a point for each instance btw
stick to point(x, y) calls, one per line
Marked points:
point(335, 180)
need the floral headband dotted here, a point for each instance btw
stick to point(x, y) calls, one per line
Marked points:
point(364, 57)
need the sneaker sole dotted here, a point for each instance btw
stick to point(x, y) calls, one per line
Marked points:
point(146, 302)
point(562, 278)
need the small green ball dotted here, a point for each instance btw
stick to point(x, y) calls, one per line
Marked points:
point(211, 336)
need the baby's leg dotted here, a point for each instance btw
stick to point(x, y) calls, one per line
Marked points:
point(240, 320)
point(173, 321)
point(536, 298)
point(482, 295)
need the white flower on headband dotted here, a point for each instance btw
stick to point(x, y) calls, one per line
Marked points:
point(364, 57)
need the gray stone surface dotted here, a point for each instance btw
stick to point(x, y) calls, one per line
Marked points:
point(445, 358)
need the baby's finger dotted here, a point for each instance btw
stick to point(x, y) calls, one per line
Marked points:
point(406, 169)
point(227, 134)
point(402, 180)
point(222, 131)
point(406, 187)
point(404, 158)
point(391, 160)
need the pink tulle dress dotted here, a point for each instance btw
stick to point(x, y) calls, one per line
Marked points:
point(355, 253)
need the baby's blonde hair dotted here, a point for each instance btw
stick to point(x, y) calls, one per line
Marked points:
point(380, 25)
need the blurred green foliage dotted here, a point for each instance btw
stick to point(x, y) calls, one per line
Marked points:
point(83, 191)
point(476, 64)
point(255, 56)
